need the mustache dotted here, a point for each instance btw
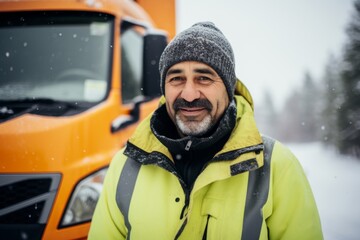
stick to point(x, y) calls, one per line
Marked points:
point(182, 103)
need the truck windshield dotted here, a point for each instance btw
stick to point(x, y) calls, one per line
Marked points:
point(61, 56)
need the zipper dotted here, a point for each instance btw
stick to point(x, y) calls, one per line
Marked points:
point(188, 145)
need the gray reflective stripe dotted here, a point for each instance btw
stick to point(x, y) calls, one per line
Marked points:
point(257, 193)
point(125, 189)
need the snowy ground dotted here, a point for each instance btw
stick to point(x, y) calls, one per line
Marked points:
point(335, 181)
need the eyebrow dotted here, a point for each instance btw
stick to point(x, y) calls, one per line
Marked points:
point(197, 70)
point(173, 71)
point(205, 71)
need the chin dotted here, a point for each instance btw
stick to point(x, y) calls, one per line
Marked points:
point(194, 128)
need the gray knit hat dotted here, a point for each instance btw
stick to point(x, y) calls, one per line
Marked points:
point(203, 42)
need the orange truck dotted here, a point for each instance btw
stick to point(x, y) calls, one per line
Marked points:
point(76, 76)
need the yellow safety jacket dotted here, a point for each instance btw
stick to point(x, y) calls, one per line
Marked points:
point(262, 193)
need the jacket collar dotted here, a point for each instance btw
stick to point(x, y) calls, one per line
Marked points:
point(244, 138)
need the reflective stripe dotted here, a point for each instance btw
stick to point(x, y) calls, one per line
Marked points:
point(125, 189)
point(257, 194)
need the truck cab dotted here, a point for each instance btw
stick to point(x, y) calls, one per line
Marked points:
point(76, 76)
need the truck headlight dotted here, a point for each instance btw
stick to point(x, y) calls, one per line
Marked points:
point(83, 200)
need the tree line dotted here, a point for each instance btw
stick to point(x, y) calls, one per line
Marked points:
point(326, 110)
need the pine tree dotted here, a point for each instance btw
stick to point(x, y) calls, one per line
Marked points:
point(290, 121)
point(331, 102)
point(349, 114)
point(309, 109)
point(266, 116)
point(300, 121)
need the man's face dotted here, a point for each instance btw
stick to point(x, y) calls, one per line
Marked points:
point(196, 97)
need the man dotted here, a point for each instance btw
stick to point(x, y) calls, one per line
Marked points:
point(198, 168)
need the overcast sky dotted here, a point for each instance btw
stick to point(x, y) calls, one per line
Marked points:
point(274, 41)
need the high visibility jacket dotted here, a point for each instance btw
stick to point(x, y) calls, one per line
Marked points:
point(254, 188)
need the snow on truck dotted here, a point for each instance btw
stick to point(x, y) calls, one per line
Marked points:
point(76, 76)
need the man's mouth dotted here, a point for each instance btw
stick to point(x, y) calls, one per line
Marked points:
point(192, 111)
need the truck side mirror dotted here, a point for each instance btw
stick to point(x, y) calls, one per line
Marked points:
point(154, 43)
point(123, 121)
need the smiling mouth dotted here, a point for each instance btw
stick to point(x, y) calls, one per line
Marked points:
point(192, 111)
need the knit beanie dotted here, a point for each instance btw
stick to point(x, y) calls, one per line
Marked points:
point(203, 42)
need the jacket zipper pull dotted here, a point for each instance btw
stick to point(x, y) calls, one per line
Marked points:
point(188, 145)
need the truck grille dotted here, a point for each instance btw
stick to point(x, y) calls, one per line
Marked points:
point(27, 198)
point(20, 191)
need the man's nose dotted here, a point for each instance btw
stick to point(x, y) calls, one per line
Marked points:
point(190, 92)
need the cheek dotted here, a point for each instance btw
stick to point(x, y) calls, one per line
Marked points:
point(220, 105)
point(218, 109)
point(170, 95)
point(169, 107)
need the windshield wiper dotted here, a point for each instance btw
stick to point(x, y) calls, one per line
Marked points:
point(42, 101)
point(41, 106)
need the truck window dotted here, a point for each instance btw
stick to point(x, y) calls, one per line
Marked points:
point(131, 64)
point(62, 56)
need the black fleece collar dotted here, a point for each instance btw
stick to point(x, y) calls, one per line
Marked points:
point(165, 130)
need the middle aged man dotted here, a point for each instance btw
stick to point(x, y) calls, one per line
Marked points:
point(198, 168)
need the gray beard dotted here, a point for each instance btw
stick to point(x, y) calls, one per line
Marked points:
point(193, 128)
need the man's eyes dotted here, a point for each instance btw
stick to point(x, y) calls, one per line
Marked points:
point(177, 79)
point(203, 80)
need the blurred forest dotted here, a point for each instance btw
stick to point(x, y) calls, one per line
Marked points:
point(326, 109)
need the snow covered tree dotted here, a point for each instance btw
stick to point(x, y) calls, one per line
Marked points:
point(267, 116)
point(300, 117)
point(290, 120)
point(331, 102)
point(349, 114)
point(309, 108)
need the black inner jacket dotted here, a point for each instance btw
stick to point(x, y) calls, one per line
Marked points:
point(189, 162)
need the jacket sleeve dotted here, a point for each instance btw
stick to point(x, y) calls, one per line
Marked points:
point(294, 211)
point(107, 221)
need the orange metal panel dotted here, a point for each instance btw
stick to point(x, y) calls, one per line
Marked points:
point(163, 14)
